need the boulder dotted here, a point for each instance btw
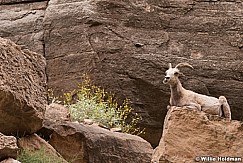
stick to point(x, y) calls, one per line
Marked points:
point(55, 114)
point(22, 89)
point(8, 147)
point(125, 46)
point(34, 142)
point(189, 136)
point(90, 143)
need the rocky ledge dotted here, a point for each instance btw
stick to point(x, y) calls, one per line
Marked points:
point(190, 135)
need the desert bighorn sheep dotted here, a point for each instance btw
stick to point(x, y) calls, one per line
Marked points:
point(182, 97)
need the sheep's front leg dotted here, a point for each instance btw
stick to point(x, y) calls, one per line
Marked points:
point(194, 106)
point(226, 108)
point(157, 153)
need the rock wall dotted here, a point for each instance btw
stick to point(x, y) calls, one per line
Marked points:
point(125, 45)
point(22, 22)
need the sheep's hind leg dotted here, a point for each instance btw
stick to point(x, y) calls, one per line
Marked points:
point(157, 153)
point(226, 108)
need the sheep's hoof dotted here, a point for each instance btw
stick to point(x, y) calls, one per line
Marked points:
point(228, 120)
point(154, 161)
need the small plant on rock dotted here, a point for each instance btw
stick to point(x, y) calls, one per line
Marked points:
point(51, 98)
point(93, 102)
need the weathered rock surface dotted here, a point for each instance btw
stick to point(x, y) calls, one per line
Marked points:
point(126, 46)
point(89, 143)
point(8, 147)
point(22, 89)
point(189, 134)
point(34, 142)
point(56, 113)
point(22, 22)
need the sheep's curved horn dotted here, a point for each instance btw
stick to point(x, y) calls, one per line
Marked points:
point(170, 65)
point(183, 65)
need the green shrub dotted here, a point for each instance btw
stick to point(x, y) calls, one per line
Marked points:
point(37, 156)
point(93, 102)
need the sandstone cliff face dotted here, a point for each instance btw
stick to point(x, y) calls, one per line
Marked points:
point(190, 134)
point(125, 45)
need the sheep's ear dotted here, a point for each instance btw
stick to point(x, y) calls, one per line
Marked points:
point(181, 74)
point(184, 65)
point(170, 65)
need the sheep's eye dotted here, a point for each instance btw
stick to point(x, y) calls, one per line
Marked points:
point(176, 73)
